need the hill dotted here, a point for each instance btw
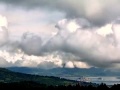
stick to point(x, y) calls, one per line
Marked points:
point(76, 72)
point(7, 76)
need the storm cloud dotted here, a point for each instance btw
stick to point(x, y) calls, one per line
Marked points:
point(98, 12)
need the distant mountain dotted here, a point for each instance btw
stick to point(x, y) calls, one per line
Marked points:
point(65, 71)
point(7, 76)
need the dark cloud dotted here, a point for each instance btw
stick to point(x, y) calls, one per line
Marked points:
point(47, 65)
point(98, 12)
point(4, 63)
point(31, 44)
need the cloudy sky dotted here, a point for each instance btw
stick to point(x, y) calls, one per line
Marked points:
point(60, 33)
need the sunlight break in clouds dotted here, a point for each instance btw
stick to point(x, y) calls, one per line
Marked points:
point(3, 30)
point(3, 21)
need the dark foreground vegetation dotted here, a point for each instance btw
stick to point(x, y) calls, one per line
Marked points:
point(7, 76)
point(15, 80)
point(38, 86)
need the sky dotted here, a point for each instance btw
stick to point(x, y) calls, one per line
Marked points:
point(60, 33)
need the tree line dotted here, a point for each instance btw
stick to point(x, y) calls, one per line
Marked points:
point(38, 86)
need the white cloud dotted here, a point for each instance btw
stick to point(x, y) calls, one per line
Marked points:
point(75, 42)
point(91, 45)
point(86, 44)
point(69, 64)
point(20, 20)
point(105, 30)
point(79, 64)
point(3, 21)
point(3, 30)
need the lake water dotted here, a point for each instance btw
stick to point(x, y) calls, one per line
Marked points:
point(109, 80)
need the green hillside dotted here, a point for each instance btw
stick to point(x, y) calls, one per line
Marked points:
point(8, 76)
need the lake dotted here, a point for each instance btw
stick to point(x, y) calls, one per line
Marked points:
point(109, 80)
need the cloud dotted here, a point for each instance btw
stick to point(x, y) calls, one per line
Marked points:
point(79, 64)
point(4, 63)
point(3, 21)
point(38, 21)
point(69, 65)
point(31, 44)
point(21, 59)
point(85, 44)
point(99, 12)
point(48, 65)
point(115, 29)
point(3, 30)
point(75, 41)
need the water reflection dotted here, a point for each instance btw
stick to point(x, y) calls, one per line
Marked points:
point(103, 79)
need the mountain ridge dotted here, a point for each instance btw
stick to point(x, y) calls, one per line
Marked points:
point(65, 71)
point(7, 76)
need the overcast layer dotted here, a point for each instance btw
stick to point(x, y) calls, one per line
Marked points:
point(60, 33)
